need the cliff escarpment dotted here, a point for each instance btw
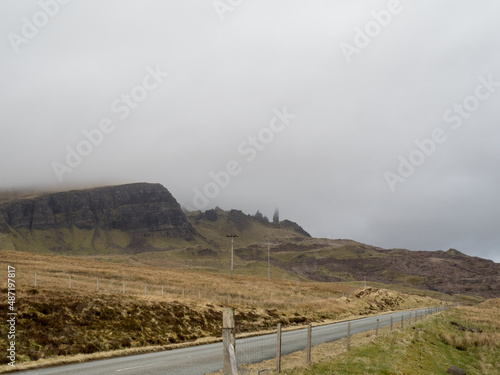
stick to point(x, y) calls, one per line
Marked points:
point(139, 209)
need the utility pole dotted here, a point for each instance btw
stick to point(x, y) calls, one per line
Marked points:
point(268, 261)
point(232, 236)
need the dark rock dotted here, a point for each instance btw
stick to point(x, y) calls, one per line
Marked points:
point(210, 215)
point(135, 208)
point(463, 329)
point(240, 220)
point(206, 252)
point(296, 227)
point(454, 370)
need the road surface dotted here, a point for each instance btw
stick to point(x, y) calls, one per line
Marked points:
point(208, 358)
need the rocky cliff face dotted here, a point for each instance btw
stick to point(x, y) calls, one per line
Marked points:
point(134, 208)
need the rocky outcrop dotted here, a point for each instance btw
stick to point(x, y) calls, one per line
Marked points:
point(446, 271)
point(134, 208)
point(296, 227)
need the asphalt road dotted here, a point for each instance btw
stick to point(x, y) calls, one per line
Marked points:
point(208, 358)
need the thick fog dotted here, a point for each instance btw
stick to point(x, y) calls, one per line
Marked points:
point(371, 120)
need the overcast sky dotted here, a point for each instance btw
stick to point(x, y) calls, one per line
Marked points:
point(371, 120)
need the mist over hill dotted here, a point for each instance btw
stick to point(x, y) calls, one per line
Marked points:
point(145, 221)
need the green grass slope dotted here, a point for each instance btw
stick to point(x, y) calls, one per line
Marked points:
point(467, 338)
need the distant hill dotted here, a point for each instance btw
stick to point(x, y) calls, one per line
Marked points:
point(143, 223)
point(132, 218)
point(111, 218)
point(344, 260)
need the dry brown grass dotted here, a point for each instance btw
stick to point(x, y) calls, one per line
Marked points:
point(53, 273)
point(56, 323)
point(472, 340)
point(486, 317)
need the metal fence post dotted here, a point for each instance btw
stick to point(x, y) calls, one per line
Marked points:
point(376, 331)
point(402, 321)
point(391, 323)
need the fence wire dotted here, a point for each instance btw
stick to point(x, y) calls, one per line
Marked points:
point(257, 349)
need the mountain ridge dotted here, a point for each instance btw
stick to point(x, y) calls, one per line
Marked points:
point(145, 221)
point(138, 209)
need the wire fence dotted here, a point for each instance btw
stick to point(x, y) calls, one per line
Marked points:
point(251, 350)
point(274, 346)
point(132, 286)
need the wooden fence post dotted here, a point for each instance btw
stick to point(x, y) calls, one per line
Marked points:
point(35, 279)
point(97, 284)
point(232, 360)
point(278, 348)
point(309, 339)
point(391, 323)
point(69, 281)
point(228, 338)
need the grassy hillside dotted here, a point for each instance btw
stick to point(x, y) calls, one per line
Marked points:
point(162, 307)
point(465, 337)
point(294, 255)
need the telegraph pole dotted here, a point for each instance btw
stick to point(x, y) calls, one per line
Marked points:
point(268, 261)
point(232, 236)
